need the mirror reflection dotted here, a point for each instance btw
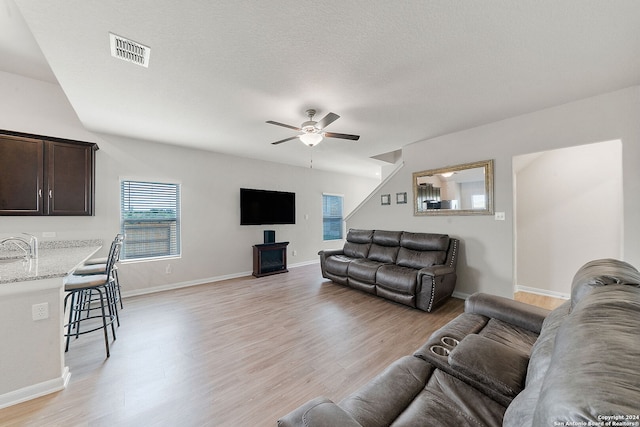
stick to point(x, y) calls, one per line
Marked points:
point(455, 190)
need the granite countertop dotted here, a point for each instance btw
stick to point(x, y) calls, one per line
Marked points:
point(55, 259)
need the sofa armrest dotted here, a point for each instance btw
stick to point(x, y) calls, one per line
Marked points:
point(435, 270)
point(327, 253)
point(435, 285)
point(516, 313)
point(323, 259)
point(319, 412)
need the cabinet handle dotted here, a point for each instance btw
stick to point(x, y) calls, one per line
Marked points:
point(50, 194)
point(39, 192)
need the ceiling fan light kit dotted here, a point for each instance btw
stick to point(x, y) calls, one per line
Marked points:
point(311, 139)
point(312, 131)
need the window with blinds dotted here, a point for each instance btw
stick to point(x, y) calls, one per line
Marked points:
point(332, 217)
point(150, 219)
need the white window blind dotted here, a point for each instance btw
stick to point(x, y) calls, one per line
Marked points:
point(150, 219)
point(331, 217)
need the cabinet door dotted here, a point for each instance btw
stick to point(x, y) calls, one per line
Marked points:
point(69, 178)
point(21, 176)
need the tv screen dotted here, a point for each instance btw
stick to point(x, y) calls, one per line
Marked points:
point(267, 207)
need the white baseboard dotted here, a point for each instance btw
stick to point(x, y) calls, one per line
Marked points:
point(460, 295)
point(542, 292)
point(171, 286)
point(303, 263)
point(36, 390)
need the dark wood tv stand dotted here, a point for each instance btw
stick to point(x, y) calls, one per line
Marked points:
point(270, 258)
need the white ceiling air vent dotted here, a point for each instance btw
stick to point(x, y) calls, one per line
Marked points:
point(128, 50)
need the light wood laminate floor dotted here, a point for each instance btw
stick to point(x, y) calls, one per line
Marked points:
point(540, 300)
point(241, 352)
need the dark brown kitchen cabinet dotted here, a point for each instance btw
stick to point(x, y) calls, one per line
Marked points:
point(21, 175)
point(42, 175)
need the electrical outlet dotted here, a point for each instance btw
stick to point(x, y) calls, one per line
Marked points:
point(40, 311)
point(294, 253)
point(168, 269)
point(500, 216)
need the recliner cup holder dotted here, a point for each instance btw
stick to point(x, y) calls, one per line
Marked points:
point(449, 341)
point(439, 350)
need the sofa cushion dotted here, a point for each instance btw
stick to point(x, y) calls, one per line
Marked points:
point(425, 241)
point(361, 285)
point(602, 272)
point(447, 401)
point(359, 236)
point(594, 367)
point(319, 412)
point(510, 335)
point(500, 367)
point(520, 412)
point(540, 355)
point(382, 399)
point(419, 259)
point(364, 270)
point(386, 254)
point(399, 297)
point(386, 238)
point(338, 264)
point(397, 278)
point(356, 250)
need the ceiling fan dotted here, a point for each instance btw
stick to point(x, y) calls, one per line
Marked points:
point(312, 131)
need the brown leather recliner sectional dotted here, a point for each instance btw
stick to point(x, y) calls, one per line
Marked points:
point(505, 363)
point(414, 269)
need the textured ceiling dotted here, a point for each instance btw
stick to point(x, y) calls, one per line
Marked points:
point(395, 71)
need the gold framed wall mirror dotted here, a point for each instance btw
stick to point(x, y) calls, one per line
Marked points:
point(465, 189)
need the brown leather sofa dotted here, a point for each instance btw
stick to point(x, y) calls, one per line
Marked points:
point(504, 363)
point(414, 269)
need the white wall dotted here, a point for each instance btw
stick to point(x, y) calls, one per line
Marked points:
point(212, 250)
point(214, 245)
point(568, 212)
point(486, 262)
point(32, 352)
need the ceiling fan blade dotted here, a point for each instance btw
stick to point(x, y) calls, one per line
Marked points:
point(341, 136)
point(271, 122)
point(327, 120)
point(284, 140)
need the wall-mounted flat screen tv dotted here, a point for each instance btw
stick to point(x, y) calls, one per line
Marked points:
point(259, 207)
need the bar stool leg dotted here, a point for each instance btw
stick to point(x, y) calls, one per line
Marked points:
point(72, 314)
point(104, 324)
point(117, 286)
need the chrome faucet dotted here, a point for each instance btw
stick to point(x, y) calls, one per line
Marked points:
point(31, 244)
